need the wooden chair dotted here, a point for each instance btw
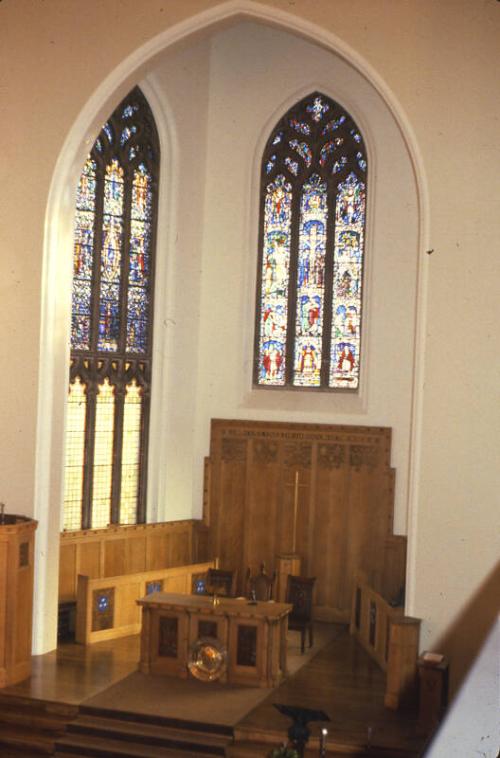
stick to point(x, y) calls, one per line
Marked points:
point(299, 591)
point(221, 582)
point(260, 586)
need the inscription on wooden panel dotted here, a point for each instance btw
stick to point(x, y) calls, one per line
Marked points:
point(331, 456)
point(234, 450)
point(265, 452)
point(297, 454)
point(363, 455)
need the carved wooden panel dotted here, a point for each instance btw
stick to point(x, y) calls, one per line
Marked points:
point(323, 492)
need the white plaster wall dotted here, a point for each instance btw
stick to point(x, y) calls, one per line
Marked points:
point(62, 59)
point(256, 73)
point(181, 86)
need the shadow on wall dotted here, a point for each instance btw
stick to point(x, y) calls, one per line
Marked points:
point(464, 639)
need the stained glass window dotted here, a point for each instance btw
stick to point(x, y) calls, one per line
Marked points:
point(312, 235)
point(111, 327)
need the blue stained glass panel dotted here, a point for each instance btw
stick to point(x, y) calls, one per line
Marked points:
point(138, 275)
point(275, 282)
point(127, 132)
point(102, 603)
point(129, 110)
point(327, 149)
point(83, 251)
point(270, 164)
point(303, 149)
point(137, 308)
point(85, 194)
point(361, 161)
point(317, 109)
point(300, 126)
point(111, 248)
point(339, 165)
point(113, 189)
point(333, 125)
point(108, 131)
point(139, 259)
point(308, 333)
point(310, 283)
point(292, 166)
point(347, 283)
point(141, 194)
point(109, 317)
point(80, 331)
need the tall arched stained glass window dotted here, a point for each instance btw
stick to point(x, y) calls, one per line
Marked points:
point(111, 328)
point(312, 237)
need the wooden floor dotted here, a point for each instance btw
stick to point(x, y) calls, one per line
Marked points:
point(340, 679)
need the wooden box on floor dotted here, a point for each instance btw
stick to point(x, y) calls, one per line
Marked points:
point(17, 539)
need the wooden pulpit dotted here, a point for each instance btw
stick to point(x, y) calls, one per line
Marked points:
point(17, 541)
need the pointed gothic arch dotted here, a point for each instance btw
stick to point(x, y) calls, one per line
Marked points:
point(312, 230)
point(112, 322)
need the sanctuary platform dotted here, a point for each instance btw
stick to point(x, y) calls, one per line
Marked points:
point(94, 701)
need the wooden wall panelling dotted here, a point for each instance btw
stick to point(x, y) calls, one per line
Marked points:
point(330, 525)
point(394, 568)
point(122, 550)
point(157, 551)
point(115, 557)
point(4, 547)
point(264, 488)
point(341, 480)
point(180, 548)
point(227, 526)
point(89, 558)
point(67, 572)
point(135, 557)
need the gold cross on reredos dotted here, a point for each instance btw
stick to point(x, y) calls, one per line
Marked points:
point(295, 483)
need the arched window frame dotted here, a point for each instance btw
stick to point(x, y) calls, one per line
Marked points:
point(316, 139)
point(130, 139)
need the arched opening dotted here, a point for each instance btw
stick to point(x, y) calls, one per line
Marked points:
point(207, 243)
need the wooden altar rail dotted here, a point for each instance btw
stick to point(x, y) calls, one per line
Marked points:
point(106, 608)
point(390, 638)
point(119, 550)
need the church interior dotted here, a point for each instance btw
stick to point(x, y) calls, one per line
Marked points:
point(381, 496)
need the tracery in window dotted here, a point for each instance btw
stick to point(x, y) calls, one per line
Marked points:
point(111, 328)
point(312, 238)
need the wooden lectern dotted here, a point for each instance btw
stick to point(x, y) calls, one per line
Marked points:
point(17, 541)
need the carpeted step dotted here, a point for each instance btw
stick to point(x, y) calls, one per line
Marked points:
point(93, 746)
point(151, 734)
point(30, 727)
point(25, 741)
point(103, 732)
point(156, 720)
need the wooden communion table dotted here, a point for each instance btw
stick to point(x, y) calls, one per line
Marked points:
point(253, 634)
